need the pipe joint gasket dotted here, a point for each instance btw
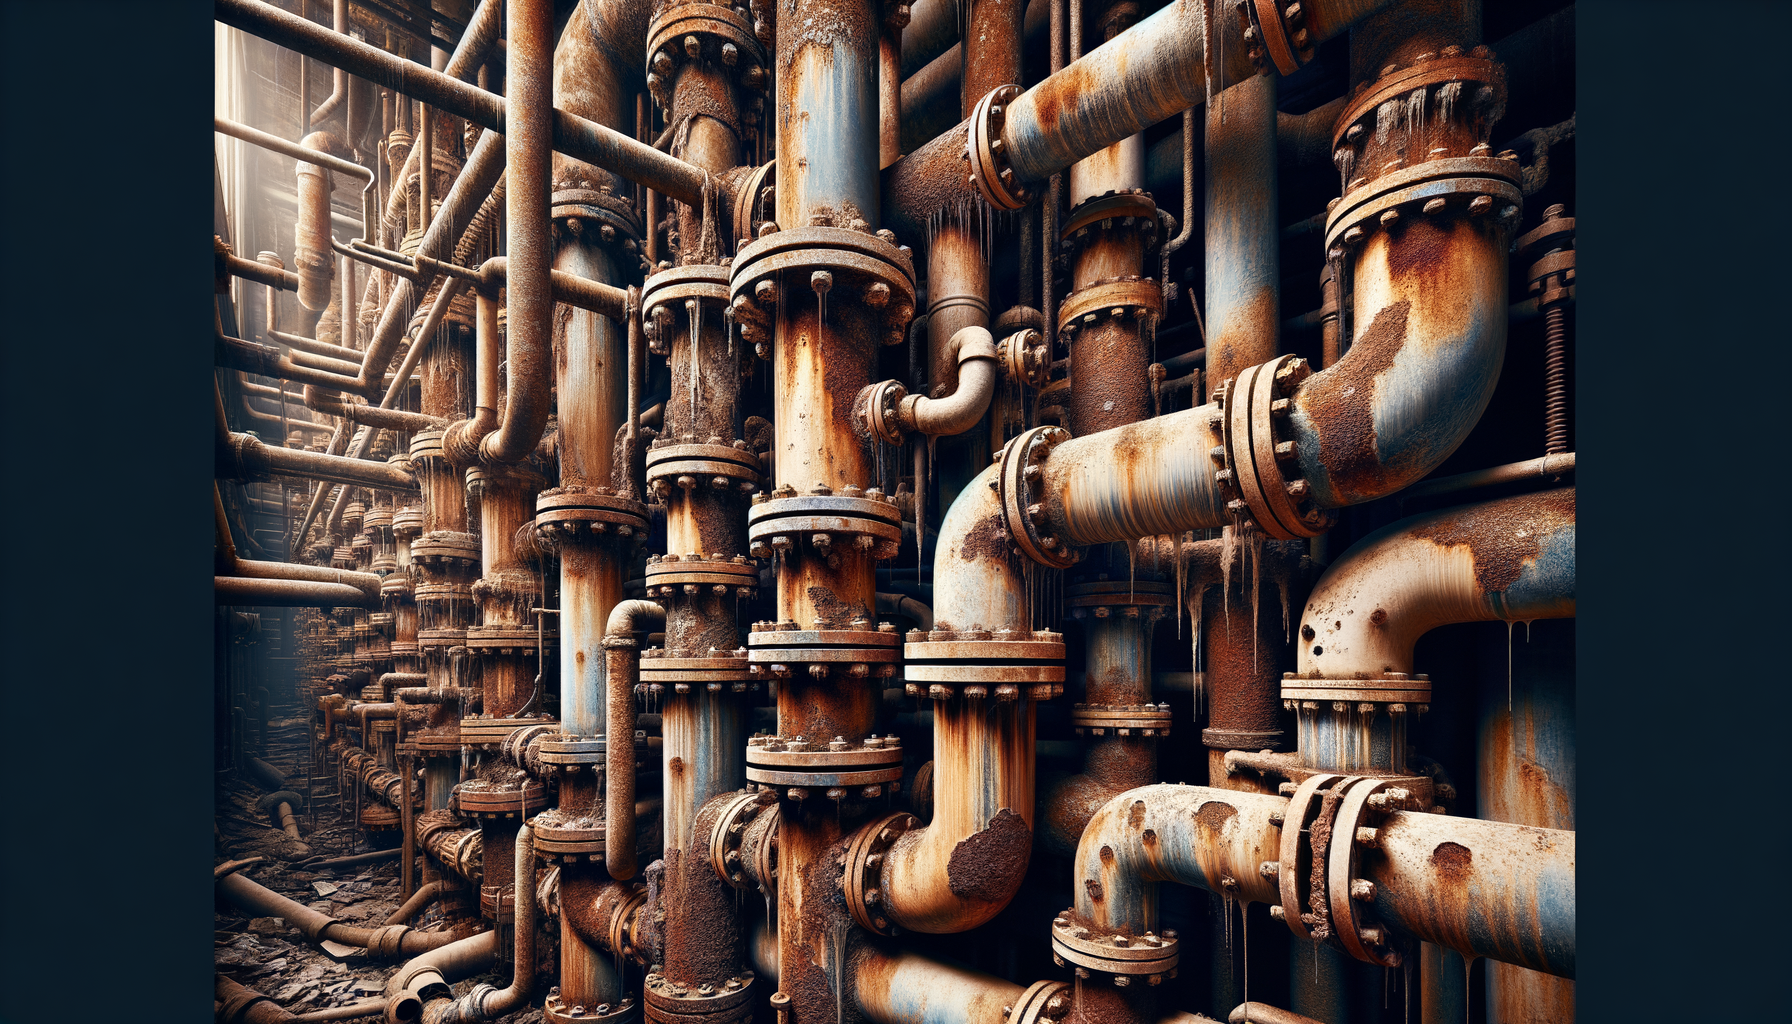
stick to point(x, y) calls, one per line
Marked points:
point(864, 268)
point(706, 32)
point(683, 672)
point(861, 871)
point(444, 551)
point(1150, 957)
point(1276, 34)
point(692, 575)
point(730, 830)
point(1146, 720)
point(577, 513)
point(1318, 870)
point(1474, 186)
point(1023, 357)
point(567, 836)
point(1043, 1002)
point(881, 411)
point(985, 155)
point(790, 524)
point(1258, 467)
point(1025, 521)
point(977, 664)
point(1125, 209)
point(1442, 107)
point(556, 1010)
point(616, 219)
point(691, 468)
point(671, 1002)
point(1129, 297)
point(842, 770)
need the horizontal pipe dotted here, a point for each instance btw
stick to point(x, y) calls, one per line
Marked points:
point(1190, 835)
point(253, 459)
point(1511, 559)
point(260, 273)
point(247, 356)
point(1259, 1013)
point(573, 135)
point(254, 593)
point(903, 987)
point(431, 973)
point(318, 927)
point(1484, 888)
point(1549, 467)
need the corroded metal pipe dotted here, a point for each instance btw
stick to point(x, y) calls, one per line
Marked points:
point(903, 987)
point(1484, 888)
point(572, 134)
point(1510, 560)
point(627, 624)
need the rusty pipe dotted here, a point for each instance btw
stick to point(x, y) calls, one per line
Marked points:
point(903, 987)
point(1484, 888)
point(313, 257)
point(309, 154)
point(287, 593)
point(629, 621)
point(973, 350)
point(1261, 1013)
point(485, 1003)
point(968, 862)
point(426, 894)
point(249, 270)
point(429, 975)
point(904, 605)
point(1212, 839)
point(573, 135)
point(339, 83)
point(317, 927)
point(1510, 560)
point(251, 459)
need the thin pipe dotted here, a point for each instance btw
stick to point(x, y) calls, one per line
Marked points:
point(300, 151)
point(628, 622)
point(339, 87)
point(318, 927)
point(575, 136)
point(1549, 467)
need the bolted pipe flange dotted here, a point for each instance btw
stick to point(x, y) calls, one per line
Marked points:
point(1120, 957)
point(672, 1002)
point(556, 1010)
point(1354, 926)
point(730, 829)
point(858, 262)
point(879, 406)
point(1258, 464)
point(1024, 520)
point(987, 169)
point(1043, 1002)
point(1276, 35)
point(861, 868)
point(1023, 358)
point(703, 31)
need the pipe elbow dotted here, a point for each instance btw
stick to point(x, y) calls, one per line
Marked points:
point(630, 618)
point(1212, 839)
point(974, 350)
point(978, 581)
point(1511, 560)
point(1429, 324)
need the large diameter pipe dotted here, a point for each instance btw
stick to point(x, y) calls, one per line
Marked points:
point(902, 987)
point(1212, 839)
point(279, 593)
point(966, 865)
point(1510, 559)
point(978, 583)
point(575, 136)
point(1484, 888)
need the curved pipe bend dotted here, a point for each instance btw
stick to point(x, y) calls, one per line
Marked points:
point(973, 349)
point(964, 867)
point(1430, 340)
point(484, 1002)
point(1191, 835)
point(1510, 560)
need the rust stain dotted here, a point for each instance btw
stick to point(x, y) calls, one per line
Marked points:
point(1340, 402)
point(1503, 536)
point(989, 865)
point(1135, 816)
point(1093, 888)
point(1452, 861)
point(1213, 816)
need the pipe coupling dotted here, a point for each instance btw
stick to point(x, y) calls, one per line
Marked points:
point(1026, 524)
point(1123, 958)
point(1276, 36)
point(1258, 468)
point(1324, 894)
point(986, 156)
